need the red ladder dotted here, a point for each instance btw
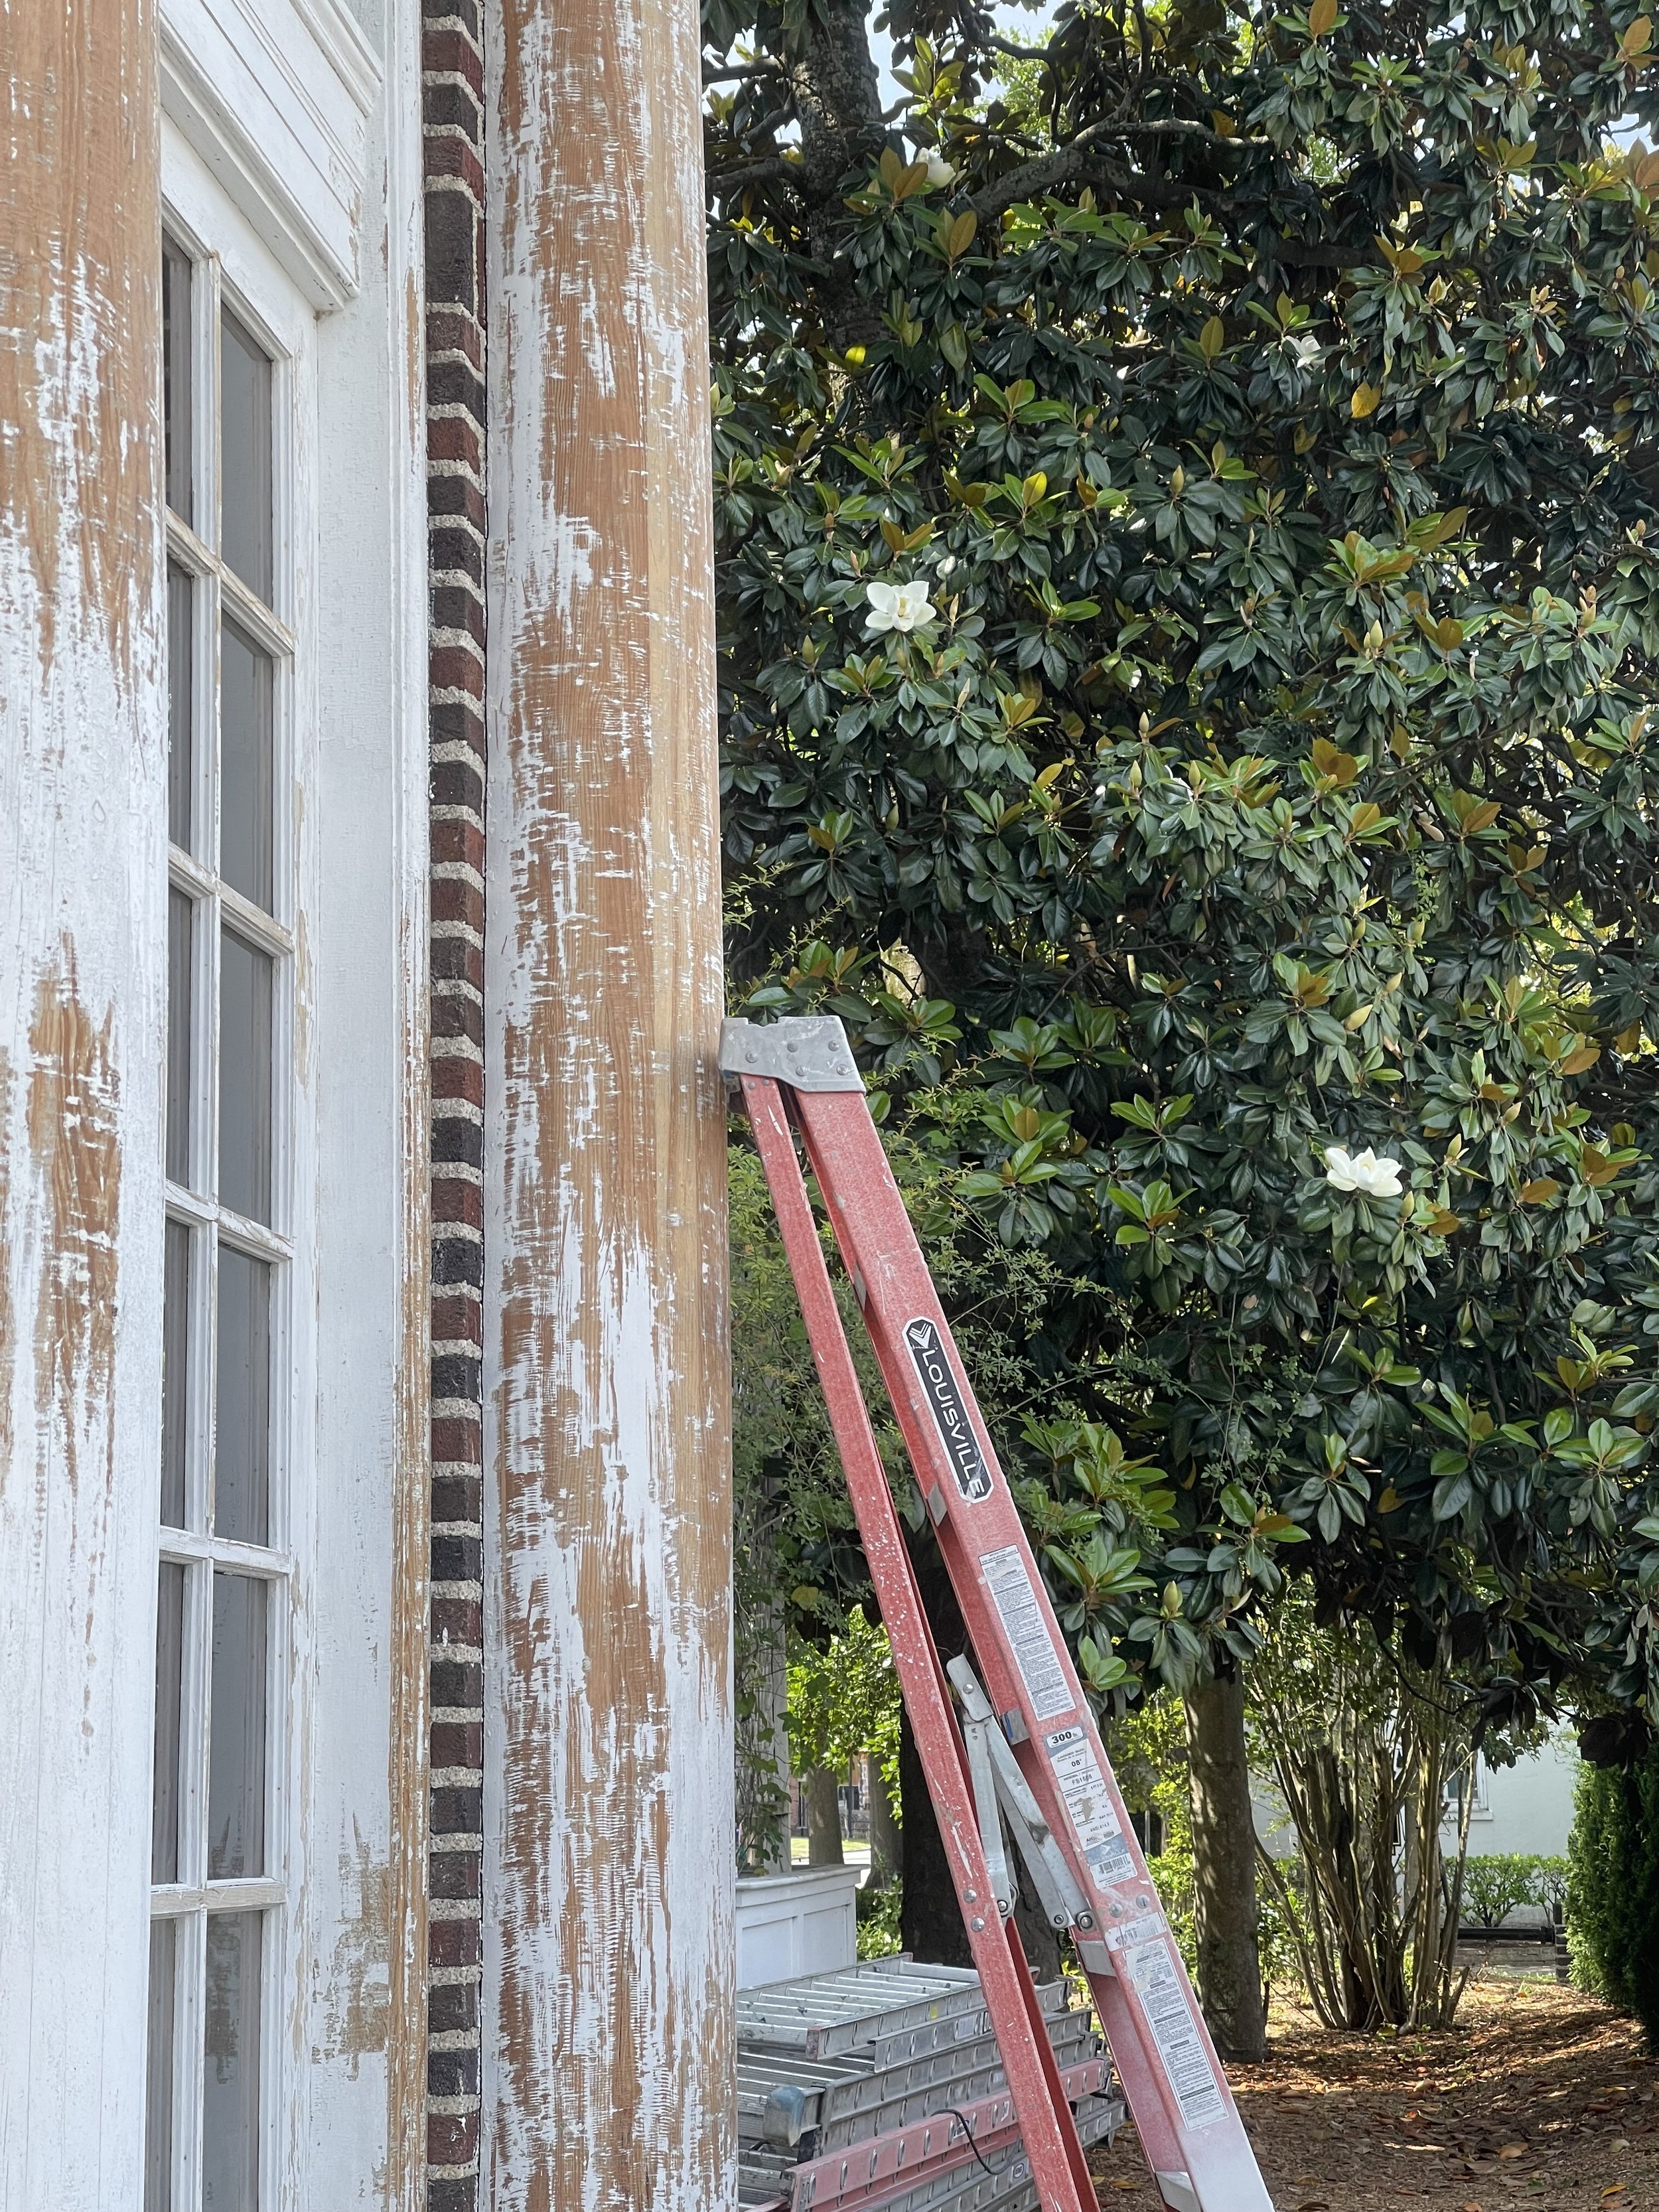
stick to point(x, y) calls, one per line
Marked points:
point(1028, 1751)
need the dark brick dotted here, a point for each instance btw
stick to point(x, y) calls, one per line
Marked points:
point(452, 782)
point(457, 1498)
point(457, 1682)
point(453, 2008)
point(454, 1139)
point(452, 1942)
point(458, 1743)
point(457, 1812)
point(448, 494)
point(450, 106)
point(454, 606)
point(452, 2072)
point(455, 549)
point(456, 1375)
point(456, 1260)
point(458, 1620)
point(456, 384)
point(457, 1559)
point(451, 2193)
point(453, 1875)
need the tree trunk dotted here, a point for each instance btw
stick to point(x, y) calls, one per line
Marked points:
point(1224, 1870)
point(824, 1819)
point(886, 1837)
point(930, 1920)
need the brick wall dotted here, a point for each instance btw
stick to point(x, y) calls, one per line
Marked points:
point(452, 96)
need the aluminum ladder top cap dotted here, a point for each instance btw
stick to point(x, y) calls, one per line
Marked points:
point(808, 1052)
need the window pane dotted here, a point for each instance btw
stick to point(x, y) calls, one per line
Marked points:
point(236, 1738)
point(169, 1687)
point(245, 455)
point(242, 1428)
point(230, 2080)
point(158, 2069)
point(245, 981)
point(175, 1373)
point(175, 357)
point(180, 691)
point(246, 710)
point(179, 997)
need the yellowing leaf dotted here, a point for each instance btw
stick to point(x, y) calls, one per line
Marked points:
point(1444, 1223)
point(1366, 400)
point(1638, 37)
point(1211, 337)
point(1224, 126)
point(1390, 1501)
point(1400, 741)
point(1644, 172)
point(1540, 1190)
point(1304, 440)
point(1576, 1062)
point(1321, 17)
point(962, 231)
point(1331, 762)
point(1628, 1040)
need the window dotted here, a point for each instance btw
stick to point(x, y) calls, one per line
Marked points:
point(218, 1855)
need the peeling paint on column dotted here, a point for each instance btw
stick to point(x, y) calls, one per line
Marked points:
point(608, 1819)
point(75, 1146)
point(82, 968)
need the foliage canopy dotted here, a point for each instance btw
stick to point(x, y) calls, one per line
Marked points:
point(1260, 408)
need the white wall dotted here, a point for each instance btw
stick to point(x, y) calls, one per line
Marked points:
point(1526, 1807)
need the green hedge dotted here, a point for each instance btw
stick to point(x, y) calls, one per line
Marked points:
point(1613, 1887)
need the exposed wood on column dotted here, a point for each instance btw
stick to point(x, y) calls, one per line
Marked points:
point(82, 893)
point(609, 1813)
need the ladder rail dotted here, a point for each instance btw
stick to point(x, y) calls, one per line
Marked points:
point(1188, 2124)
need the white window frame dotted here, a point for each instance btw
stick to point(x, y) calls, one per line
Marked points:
point(239, 269)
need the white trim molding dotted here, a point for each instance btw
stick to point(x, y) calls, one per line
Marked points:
point(276, 97)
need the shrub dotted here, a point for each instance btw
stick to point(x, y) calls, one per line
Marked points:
point(1613, 1887)
point(878, 1912)
point(1495, 1883)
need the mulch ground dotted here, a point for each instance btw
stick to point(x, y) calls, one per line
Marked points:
point(1538, 2096)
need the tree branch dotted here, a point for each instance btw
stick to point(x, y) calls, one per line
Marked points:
point(742, 69)
point(723, 183)
point(1078, 156)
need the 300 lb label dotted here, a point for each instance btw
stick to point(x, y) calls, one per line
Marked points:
point(944, 1395)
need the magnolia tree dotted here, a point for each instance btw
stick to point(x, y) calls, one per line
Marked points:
point(1187, 490)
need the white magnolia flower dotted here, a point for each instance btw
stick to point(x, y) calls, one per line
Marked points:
point(899, 606)
point(939, 171)
point(1361, 1171)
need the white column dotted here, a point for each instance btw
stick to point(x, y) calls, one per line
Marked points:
point(608, 1845)
point(83, 975)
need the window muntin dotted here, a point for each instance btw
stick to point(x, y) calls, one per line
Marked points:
point(218, 1858)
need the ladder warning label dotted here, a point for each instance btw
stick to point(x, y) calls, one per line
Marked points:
point(1009, 1581)
point(1082, 1784)
point(1169, 2009)
point(944, 1395)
